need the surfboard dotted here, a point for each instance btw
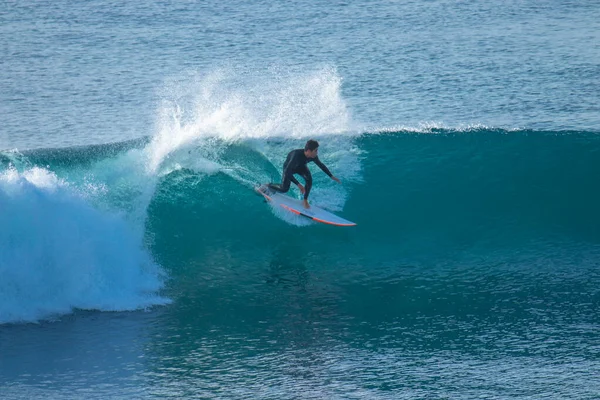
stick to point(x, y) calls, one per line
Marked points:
point(295, 206)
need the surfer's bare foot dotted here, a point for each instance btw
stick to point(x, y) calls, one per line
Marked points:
point(305, 203)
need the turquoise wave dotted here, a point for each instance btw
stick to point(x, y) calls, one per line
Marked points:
point(422, 199)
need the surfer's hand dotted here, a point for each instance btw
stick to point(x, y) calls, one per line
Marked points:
point(301, 188)
point(336, 179)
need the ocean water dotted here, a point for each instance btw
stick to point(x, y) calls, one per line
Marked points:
point(136, 261)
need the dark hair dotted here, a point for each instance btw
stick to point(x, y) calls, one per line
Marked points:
point(311, 145)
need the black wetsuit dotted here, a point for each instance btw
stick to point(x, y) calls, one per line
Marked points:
point(295, 163)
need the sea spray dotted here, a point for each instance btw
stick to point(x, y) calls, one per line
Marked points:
point(271, 111)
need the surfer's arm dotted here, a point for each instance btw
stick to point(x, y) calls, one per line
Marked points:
point(326, 170)
point(323, 167)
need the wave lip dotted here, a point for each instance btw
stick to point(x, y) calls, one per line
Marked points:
point(58, 253)
point(232, 105)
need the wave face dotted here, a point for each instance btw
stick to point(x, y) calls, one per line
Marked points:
point(102, 227)
point(82, 227)
point(438, 189)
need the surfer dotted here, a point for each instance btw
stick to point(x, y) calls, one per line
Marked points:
point(296, 163)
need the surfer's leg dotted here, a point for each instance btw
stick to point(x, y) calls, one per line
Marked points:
point(305, 174)
point(281, 188)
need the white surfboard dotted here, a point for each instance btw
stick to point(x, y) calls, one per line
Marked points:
point(295, 206)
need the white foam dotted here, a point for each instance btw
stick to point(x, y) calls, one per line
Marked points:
point(57, 252)
point(272, 110)
point(235, 104)
point(433, 127)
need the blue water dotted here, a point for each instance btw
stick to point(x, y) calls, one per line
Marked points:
point(136, 261)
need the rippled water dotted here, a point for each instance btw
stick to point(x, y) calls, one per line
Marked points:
point(137, 262)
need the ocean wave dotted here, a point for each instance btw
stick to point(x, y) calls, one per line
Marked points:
point(58, 253)
point(85, 224)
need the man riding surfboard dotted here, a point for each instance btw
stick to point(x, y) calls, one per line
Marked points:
point(296, 163)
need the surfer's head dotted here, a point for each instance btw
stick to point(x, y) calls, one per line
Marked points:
point(311, 148)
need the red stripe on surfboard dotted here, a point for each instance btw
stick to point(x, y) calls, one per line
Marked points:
point(292, 210)
point(263, 193)
point(332, 223)
point(308, 216)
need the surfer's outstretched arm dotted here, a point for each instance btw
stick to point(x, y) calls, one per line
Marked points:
point(325, 169)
